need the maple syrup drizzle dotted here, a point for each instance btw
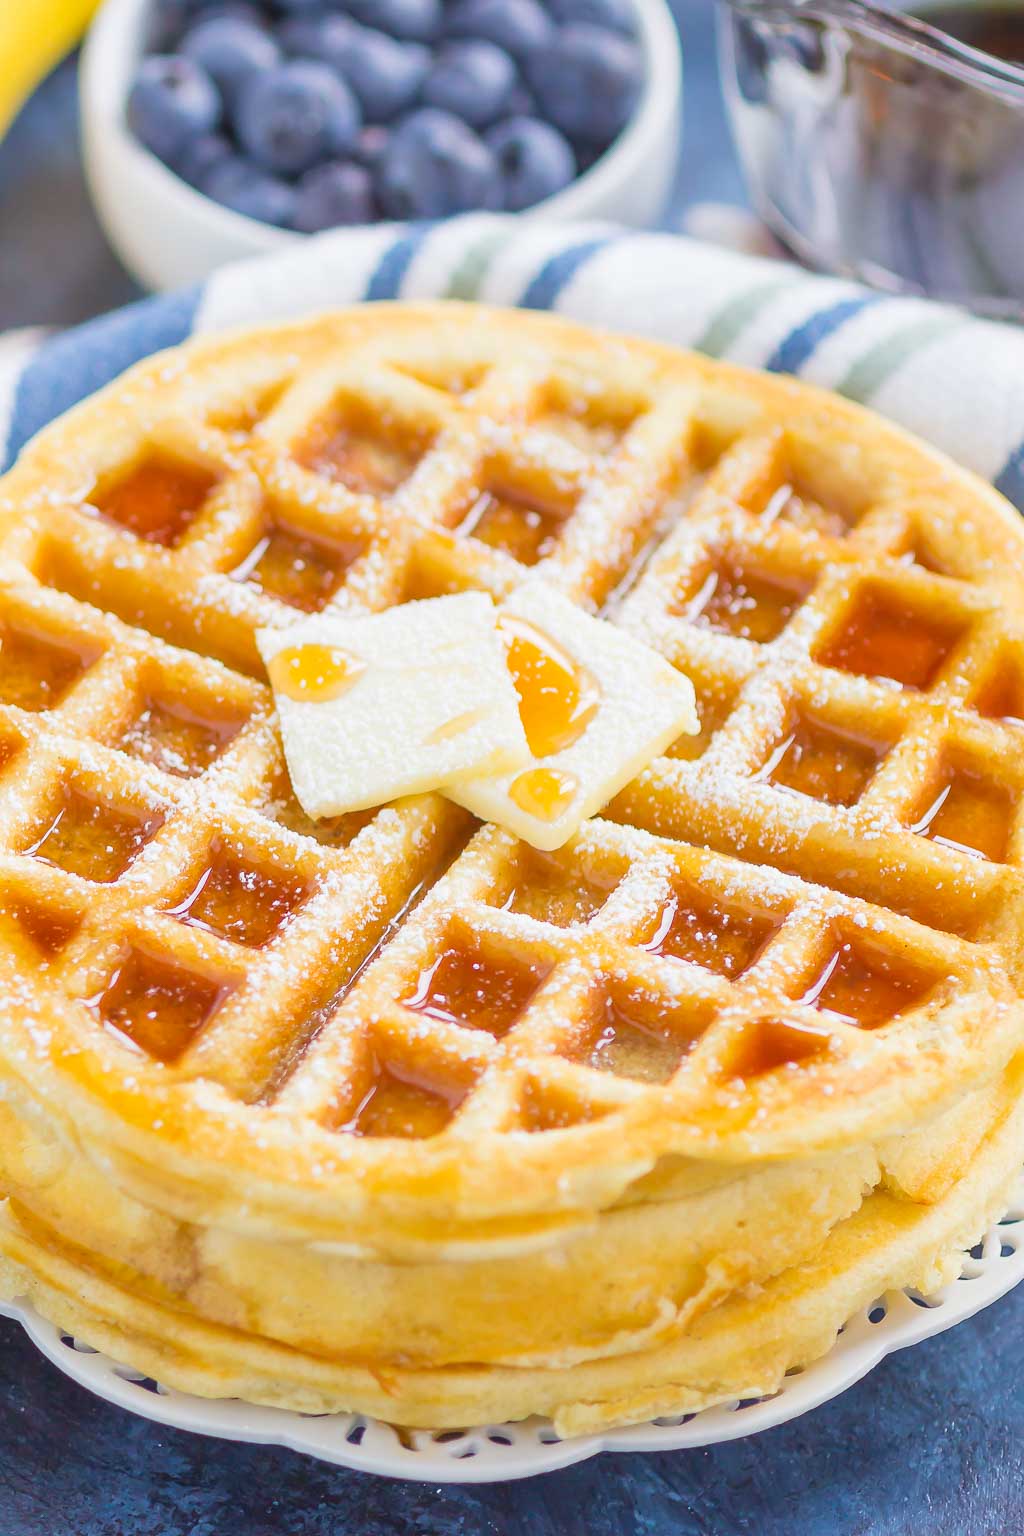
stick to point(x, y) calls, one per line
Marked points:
point(767, 1044)
point(339, 987)
point(721, 939)
point(823, 762)
point(455, 727)
point(177, 739)
point(970, 816)
point(1002, 694)
point(303, 572)
point(558, 698)
point(314, 674)
point(743, 603)
point(526, 529)
point(884, 637)
point(461, 988)
point(48, 931)
point(36, 672)
point(156, 501)
point(97, 841)
point(556, 892)
point(543, 792)
point(403, 1102)
point(239, 902)
point(629, 1044)
point(158, 1007)
point(367, 462)
point(864, 988)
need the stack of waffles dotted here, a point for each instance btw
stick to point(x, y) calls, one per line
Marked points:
point(394, 1113)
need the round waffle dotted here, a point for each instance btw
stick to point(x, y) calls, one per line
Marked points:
point(798, 934)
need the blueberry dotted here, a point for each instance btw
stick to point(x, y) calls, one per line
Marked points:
point(300, 7)
point(338, 192)
point(616, 15)
point(587, 82)
point(200, 156)
point(386, 75)
point(325, 38)
point(434, 166)
point(300, 36)
point(534, 159)
point(230, 51)
point(238, 184)
point(171, 101)
point(521, 27)
point(177, 16)
point(167, 21)
point(520, 102)
point(473, 80)
point(289, 117)
point(371, 145)
point(416, 21)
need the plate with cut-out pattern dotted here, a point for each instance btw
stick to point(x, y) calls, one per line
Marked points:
point(501, 1452)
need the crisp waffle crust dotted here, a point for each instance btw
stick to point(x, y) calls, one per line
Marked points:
point(742, 1347)
point(782, 970)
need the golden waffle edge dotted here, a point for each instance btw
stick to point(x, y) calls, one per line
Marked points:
point(743, 1347)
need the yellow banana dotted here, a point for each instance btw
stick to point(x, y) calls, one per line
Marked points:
point(34, 36)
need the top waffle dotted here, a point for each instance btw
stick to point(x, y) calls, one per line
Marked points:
point(797, 931)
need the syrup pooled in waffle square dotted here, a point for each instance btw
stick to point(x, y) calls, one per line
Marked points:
point(798, 930)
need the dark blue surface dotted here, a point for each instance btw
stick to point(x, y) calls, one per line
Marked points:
point(931, 1444)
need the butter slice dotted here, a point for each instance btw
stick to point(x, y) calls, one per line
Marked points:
point(637, 704)
point(429, 700)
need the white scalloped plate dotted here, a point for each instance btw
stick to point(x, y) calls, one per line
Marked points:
point(497, 1452)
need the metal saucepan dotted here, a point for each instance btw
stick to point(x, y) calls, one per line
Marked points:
point(877, 146)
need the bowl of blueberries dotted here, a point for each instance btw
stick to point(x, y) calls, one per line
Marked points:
point(219, 129)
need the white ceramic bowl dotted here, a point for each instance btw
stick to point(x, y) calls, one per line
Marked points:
point(168, 234)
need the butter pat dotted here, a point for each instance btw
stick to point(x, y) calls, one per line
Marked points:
point(596, 706)
point(394, 703)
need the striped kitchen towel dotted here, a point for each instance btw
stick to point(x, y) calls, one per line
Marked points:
point(955, 380)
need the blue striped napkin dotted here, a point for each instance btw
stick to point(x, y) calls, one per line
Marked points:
point(953, 379)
